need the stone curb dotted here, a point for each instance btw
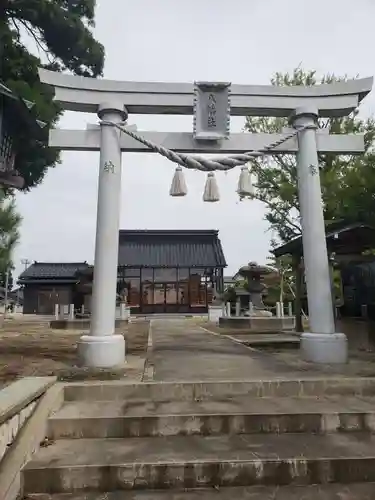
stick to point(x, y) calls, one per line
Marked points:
point(27, 443)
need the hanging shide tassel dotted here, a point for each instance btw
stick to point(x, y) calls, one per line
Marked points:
point(245, 186)
point(211, 189)
point(178, 186)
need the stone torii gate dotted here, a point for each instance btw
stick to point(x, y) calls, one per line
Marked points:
point(211, 104)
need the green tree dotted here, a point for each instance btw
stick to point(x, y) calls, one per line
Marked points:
point(281, 289)
point(61, 30)
point(348, 182)
point(3, 279)
point(10, 222)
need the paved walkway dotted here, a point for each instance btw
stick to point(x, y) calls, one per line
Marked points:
point(184, 351)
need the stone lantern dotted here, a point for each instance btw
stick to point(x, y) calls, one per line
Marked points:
point(14, 112)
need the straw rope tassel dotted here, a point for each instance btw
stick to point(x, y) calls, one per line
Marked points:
point(178, 186)
point(211, 189)
point(245, 186)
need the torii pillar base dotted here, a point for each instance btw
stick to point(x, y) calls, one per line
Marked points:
point(107, 351)
point(324, 348)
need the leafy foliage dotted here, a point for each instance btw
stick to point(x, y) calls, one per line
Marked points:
point(281, 289)
point(3, 280)
point(348, 182)
point(61, 30)
point(10, 222)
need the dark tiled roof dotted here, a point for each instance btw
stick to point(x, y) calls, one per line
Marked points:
point(341, 238)
point(52, 270)
point(177, 248)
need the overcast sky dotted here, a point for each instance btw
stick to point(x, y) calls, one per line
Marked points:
point(242, 41)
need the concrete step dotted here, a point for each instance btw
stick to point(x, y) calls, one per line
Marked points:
point(363, 491)
point(115, 419)
point(192, 391)
point(196, 461)
point(268, 340)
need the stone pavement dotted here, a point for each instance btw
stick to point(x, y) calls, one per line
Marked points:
point(183, 350)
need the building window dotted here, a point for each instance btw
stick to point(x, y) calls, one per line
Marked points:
point(183, 273)
point(132, 272)
point(147, 275)
point(134, 291)
point(165, 275)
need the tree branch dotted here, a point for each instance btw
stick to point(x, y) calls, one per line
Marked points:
point(37, 40)
point(261, 172)
point(16, 27)
point(284, 165)
point(274, 208)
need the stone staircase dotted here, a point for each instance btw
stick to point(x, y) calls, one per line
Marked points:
point(280, 440)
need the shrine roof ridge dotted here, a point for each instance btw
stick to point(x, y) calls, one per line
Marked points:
point(169, 232)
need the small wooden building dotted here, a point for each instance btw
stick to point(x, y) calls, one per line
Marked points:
point(159, 271)
point(48, 283)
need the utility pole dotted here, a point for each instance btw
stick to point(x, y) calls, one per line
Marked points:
point(25, 262)
point(6, 293)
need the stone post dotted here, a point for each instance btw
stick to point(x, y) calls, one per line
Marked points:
point(290, 308)
point(102, 348)
point(321, 344)
point(238, 308)
point(214, 313)
point(228, 308)
point(57, 311)
point(297, 265)
point(124, 312)
point(278, 310)
point(331, 261)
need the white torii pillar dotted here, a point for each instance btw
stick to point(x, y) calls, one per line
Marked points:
point(321, 344)
point(102, 348)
